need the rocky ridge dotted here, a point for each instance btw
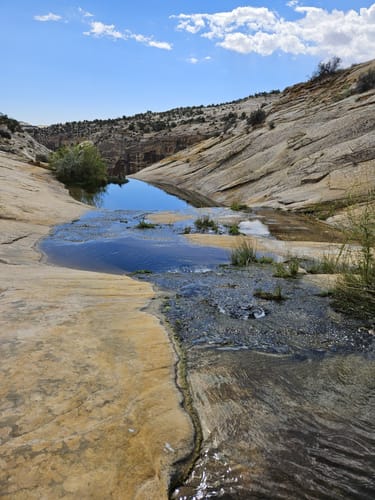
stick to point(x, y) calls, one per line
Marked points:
point(129, 144)
point(315, 146)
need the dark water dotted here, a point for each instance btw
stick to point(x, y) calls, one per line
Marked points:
point(108, 240)
point(284, 428)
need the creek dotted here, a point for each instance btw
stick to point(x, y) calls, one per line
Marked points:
point(285, 399)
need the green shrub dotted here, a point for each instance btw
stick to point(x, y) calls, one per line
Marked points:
point(366, 81)
point(354, 292)
point(257, 117)
point(145, 225)
point(79, 165)
point(234, 230)
point(205, 224)
point(236, 206)
point(287, 270)
point(243, 255)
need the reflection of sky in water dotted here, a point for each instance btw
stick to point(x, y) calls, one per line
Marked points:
point(136, 195)
point(109, 240)
point(253, 228)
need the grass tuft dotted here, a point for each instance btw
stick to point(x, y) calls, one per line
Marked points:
point(243, 255)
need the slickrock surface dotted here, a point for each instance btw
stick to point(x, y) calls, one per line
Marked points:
point(316, 146)
point(88, 406)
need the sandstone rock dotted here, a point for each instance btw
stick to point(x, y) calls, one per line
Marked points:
point(319, 149)
point(89, 406)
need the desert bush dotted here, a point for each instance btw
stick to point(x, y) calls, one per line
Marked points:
point(326, 69)
point(236, 206)
point(366, 81)
point(145, 225)
point(354, 292)
point(288, 269)
point(12, 124)
point(79, 165)
point(41, 157)
point(5, 134)
point(234, 230)
point(205, 224)
point(256, 117)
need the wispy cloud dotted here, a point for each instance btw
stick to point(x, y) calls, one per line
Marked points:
point(195, 60)
point(85, 13)
point(99, 30)
point(48, 17)
point(347, 34)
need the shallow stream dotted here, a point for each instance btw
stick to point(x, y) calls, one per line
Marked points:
point(284, 391)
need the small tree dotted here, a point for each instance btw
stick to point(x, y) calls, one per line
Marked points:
point(80, 165)
point(326, 69)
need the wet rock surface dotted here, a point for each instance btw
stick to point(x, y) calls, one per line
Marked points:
point(285, 401)
point(218, 308)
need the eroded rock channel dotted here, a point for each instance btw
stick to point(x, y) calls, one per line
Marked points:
point(284, 390)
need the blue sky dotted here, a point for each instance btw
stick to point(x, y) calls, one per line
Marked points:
point(63, 60)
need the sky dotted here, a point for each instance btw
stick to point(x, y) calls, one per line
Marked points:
point(67, 60)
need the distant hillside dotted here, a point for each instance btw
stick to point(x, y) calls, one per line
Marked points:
point(129, 144)
point(14, 139)
point(315, 144)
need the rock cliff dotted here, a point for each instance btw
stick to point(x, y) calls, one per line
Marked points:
point(129, 144)
point(316, 145)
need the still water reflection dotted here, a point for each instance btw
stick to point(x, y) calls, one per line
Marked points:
point(133, 195)
point(110, 240)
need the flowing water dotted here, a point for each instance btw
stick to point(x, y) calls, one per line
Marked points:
point(285, 400)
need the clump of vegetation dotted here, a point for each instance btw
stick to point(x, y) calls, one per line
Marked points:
point(354, 292)
point(275, 295)
point(243, 255)
point(236, 206)
point(187, 230)
point(257, 117)
point(41, 157)
point(326, 69)
point(5, 134)
point(287, 269)
point(80, 165)
point(234, 230)
point(145, 225)
point(205, 224)
point(265, 260)
point(329, 264)
point(11, 124)
point(366, 81)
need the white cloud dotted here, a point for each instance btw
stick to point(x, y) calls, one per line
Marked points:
point(48, 17)
point(195, 60)
point(100, 30)
point(85, 13)
point(347, 34)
